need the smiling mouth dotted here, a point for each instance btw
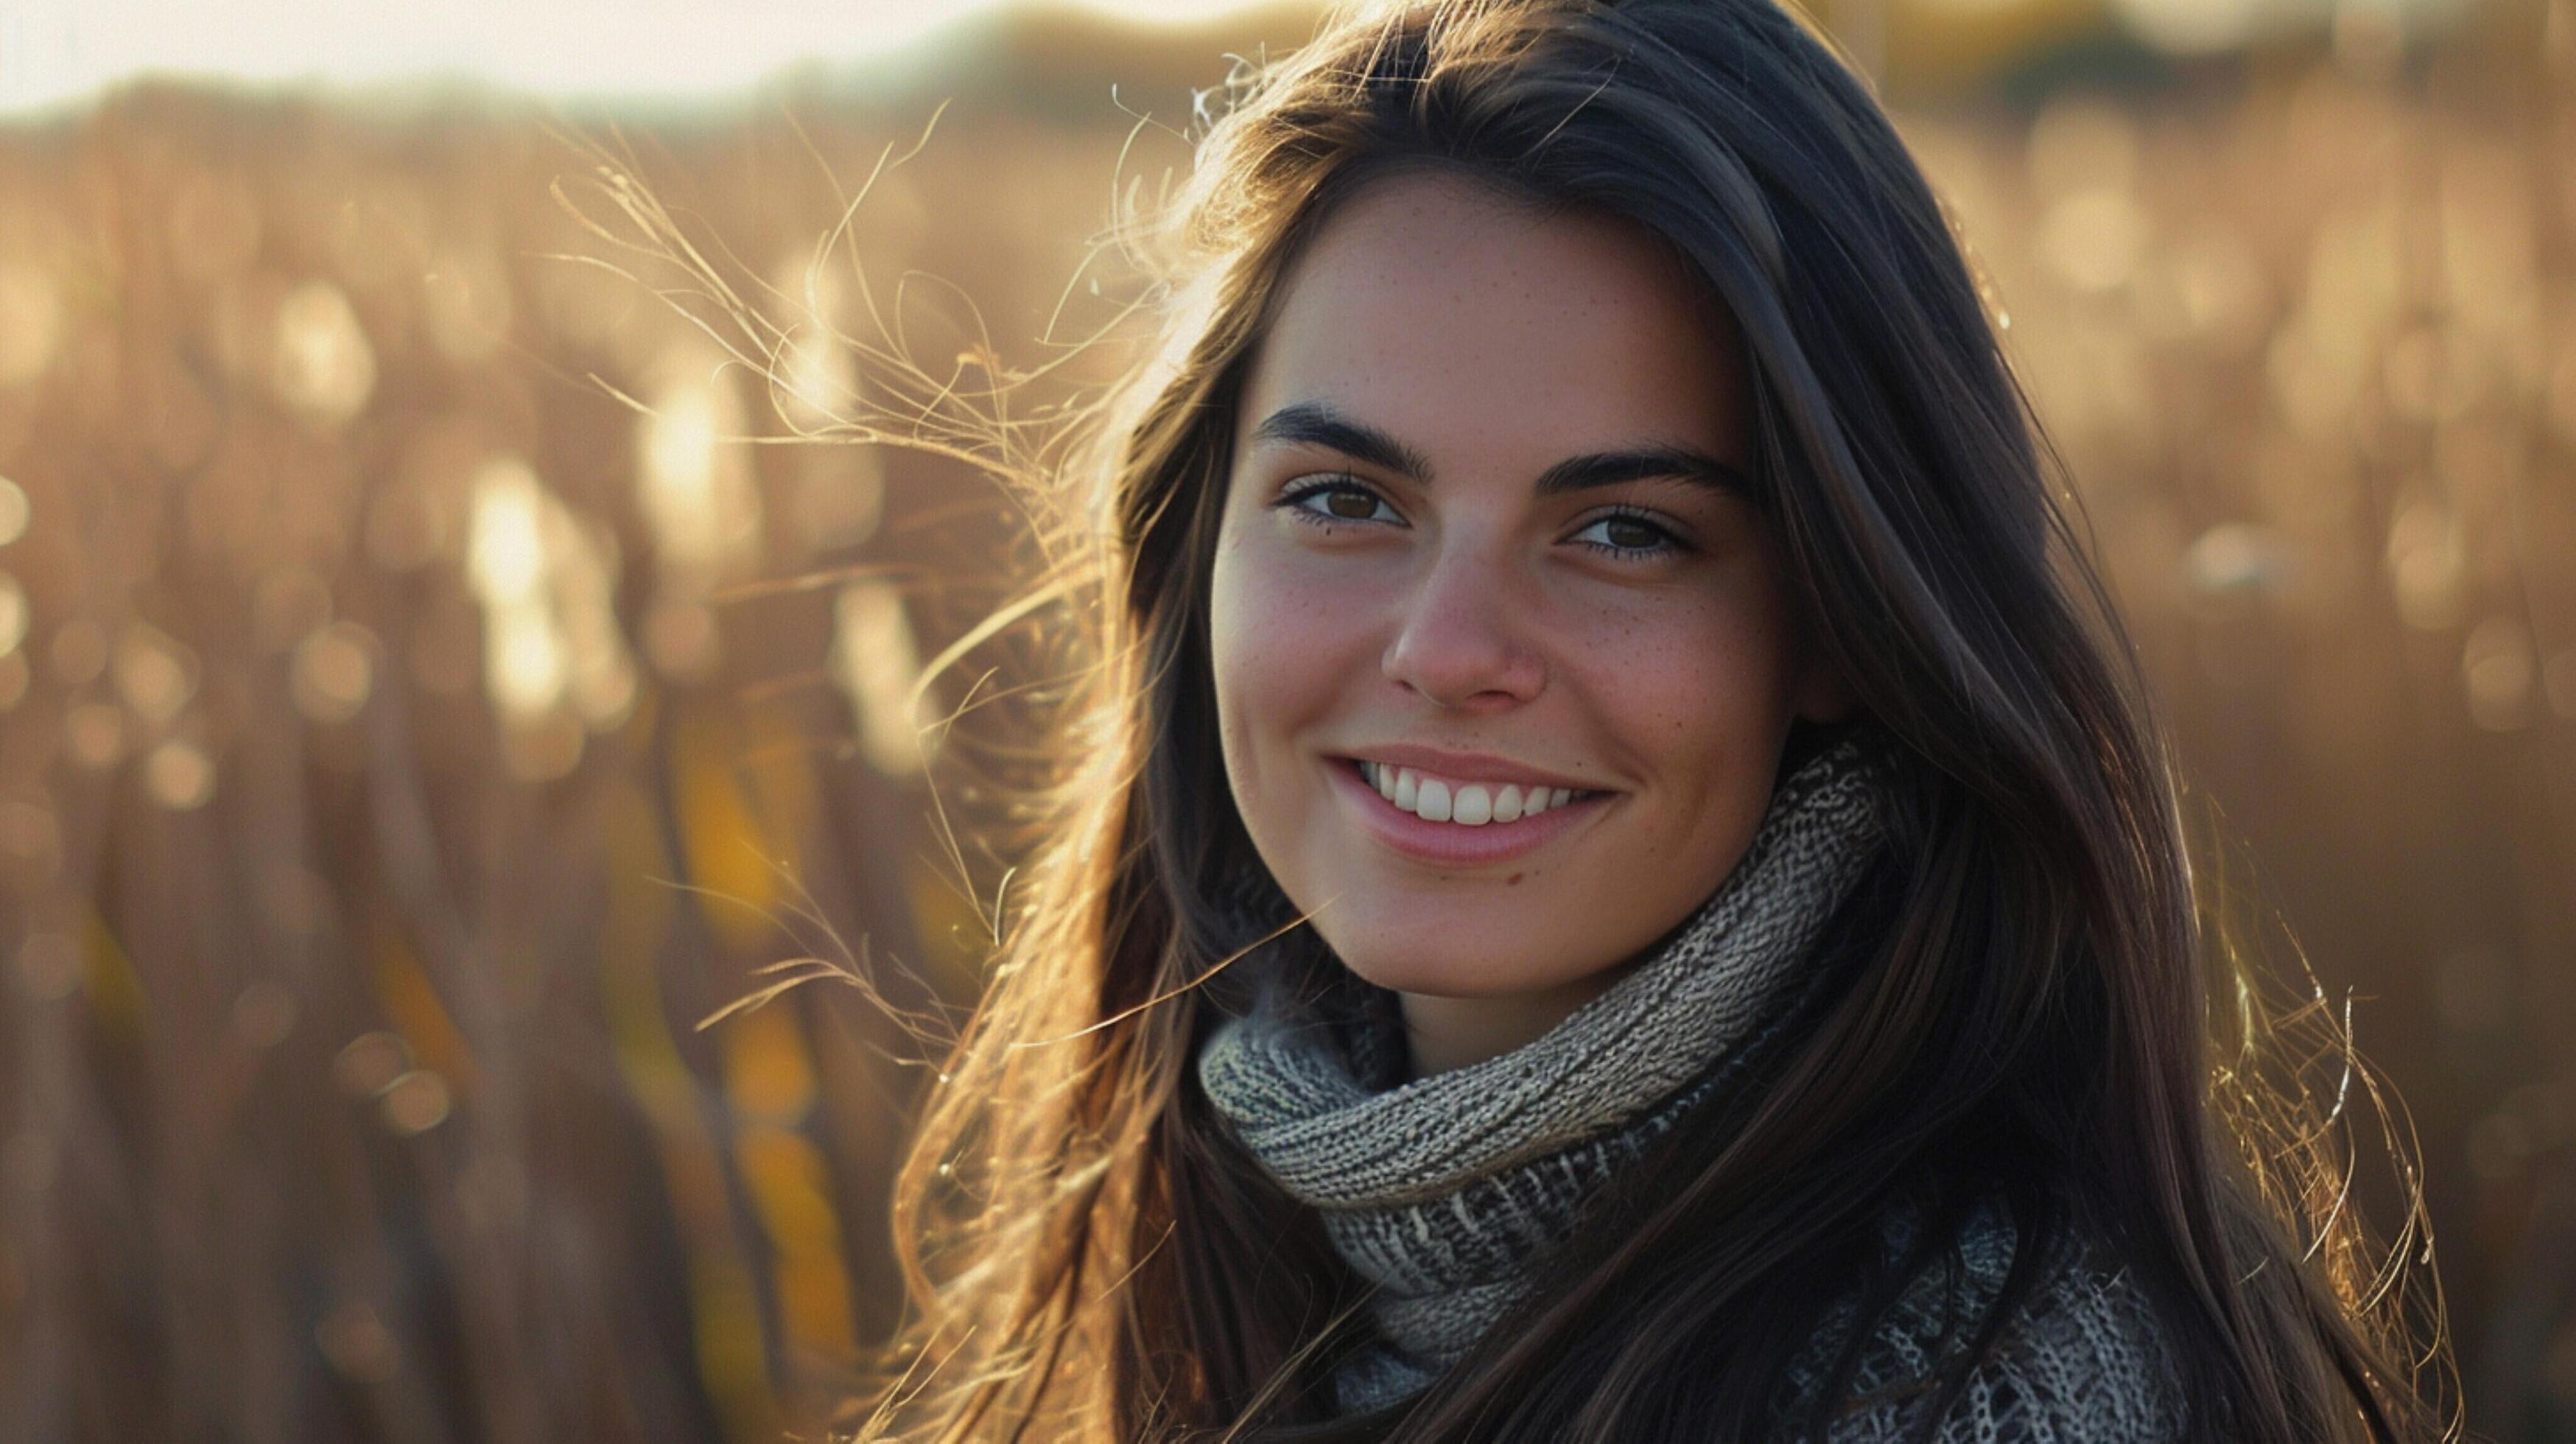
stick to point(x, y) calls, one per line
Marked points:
point(1465, 804)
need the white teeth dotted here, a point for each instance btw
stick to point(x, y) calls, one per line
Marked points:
point(1469, 804)
point(1431, 800)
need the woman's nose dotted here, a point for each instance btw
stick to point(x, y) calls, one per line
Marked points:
point(1459, 638)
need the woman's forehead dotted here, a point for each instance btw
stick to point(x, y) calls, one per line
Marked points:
point(1460, 318)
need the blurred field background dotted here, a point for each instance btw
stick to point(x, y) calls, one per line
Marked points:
point(421, 709)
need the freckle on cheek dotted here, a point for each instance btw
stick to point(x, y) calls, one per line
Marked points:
point(1513, 881)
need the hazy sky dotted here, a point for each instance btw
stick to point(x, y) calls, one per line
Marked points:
point(58, 51)
point(52, 51)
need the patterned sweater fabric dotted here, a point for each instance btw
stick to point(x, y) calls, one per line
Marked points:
point(1443, 1191)
point(2082, 1360)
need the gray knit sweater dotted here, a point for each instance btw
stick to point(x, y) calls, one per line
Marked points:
point(1444, 1191)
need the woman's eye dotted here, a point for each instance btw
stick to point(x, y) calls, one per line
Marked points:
point(1332, 501)
point(1629, 535)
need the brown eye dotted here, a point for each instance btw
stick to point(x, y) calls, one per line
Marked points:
point(1627, 532)
point(1351, 505)
point(1631, 537)
point(1332, 501)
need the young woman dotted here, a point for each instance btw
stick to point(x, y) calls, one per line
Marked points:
point(1615, 882)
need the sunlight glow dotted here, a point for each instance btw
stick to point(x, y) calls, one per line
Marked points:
point(54, 52)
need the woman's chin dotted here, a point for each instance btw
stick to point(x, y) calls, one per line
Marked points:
point(1445, 973)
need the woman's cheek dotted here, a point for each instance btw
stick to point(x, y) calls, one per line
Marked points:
point(1277, 647)
point(1693, 697)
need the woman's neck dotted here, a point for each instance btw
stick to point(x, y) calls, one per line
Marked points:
point(1442, 1033)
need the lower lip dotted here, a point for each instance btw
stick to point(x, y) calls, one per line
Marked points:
point(1450, 844)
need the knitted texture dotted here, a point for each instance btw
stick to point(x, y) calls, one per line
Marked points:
point(1444, 1191)
point(2080, 1360)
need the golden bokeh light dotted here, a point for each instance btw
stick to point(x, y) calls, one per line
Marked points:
point(334, 671)
point(878, 666)
point(31, 322)
point(94, 735)
point(14, 617)
point(369, 1063)
point(15, 511)
point(415, 1102)
point(155, 673)
point(179, 775)
point(325, 368)
point(551, 635)
point(695, 482)
point(448, 650)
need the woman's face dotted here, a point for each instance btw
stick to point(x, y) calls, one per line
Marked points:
point(1487, 533)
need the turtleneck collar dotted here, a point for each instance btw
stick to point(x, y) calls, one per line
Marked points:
point(1442, 1190)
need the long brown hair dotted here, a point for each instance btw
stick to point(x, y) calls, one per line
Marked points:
point(2023, 995)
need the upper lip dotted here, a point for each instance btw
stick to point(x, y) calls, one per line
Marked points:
point(1469, 766)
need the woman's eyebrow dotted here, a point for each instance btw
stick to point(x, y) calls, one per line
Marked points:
point(1644, 463)
point(1319, 423)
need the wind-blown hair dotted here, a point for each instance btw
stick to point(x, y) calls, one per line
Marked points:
point(2025, 1001)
